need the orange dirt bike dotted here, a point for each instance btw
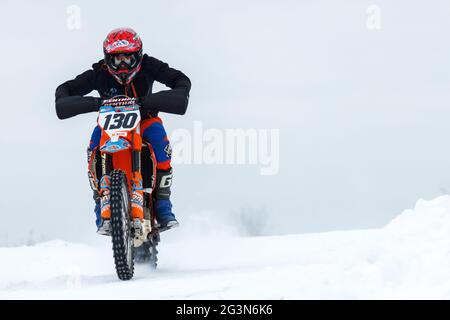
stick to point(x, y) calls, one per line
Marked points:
point(122, 155)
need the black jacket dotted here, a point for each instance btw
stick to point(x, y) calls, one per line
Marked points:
point(70, 100)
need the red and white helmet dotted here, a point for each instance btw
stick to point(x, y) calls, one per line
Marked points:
point(123, 54)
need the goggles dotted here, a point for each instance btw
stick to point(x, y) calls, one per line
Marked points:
point(123, 61)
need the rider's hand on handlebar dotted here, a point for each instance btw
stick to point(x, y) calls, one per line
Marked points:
point(140, 101)
point(143, 103)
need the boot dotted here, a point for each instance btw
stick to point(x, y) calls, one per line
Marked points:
point(104, 228)
point(163, 206)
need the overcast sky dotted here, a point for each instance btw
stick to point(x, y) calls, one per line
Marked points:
point(363, 115)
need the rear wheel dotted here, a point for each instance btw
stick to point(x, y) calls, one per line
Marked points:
point(147, 253)
point(122, 241)
point(154, 251)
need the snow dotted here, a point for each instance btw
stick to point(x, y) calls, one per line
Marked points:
point(407, 259)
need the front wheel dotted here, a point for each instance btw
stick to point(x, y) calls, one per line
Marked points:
point(122, 241)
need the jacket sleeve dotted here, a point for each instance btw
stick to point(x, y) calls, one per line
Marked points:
point(69, 100)
point(170, 101)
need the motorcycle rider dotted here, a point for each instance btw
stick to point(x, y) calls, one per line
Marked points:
point(125, 70)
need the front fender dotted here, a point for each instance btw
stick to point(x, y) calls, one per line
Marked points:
point(115, 146)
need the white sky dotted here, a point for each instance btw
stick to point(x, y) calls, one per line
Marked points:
point(363, 115)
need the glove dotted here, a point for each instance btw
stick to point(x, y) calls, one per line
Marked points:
point(99, 102)
point(140, 101)
point(144, 102)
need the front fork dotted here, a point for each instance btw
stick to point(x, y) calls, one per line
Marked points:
point(107, 166)
point(137, 192)
point(138, 195)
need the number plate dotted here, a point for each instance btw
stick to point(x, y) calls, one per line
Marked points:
point(118, 121)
